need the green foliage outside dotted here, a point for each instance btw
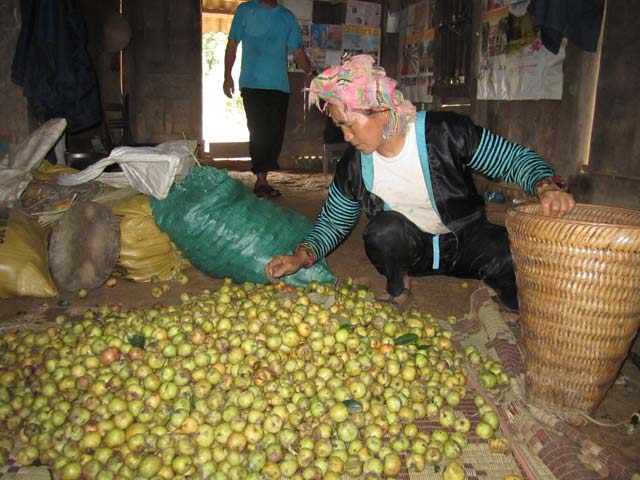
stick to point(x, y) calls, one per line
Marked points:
point(213, 47)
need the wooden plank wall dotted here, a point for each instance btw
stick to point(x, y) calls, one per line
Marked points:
point(615, 146)
point(599, 155)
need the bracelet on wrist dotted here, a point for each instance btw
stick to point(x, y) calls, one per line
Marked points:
point(550, 183)
point(309, 251)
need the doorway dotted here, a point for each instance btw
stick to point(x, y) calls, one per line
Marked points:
point(223, 119)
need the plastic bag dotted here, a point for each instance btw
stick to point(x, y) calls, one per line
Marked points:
point(24, 266)
point(17, 165)
point(150, 170)
point(146, 252)
point(226, 231)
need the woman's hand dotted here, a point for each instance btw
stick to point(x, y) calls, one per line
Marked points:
point(556, 203)
point(282, 265)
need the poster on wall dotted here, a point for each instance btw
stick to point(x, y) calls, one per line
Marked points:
point(514, 65)
point(417, 69)
point(425, 78)
point(358, 40)
point(416, 56)
point(411, 17)
point(305, 34)
point(366, 14)
point(423, 15)
point(403, 19)
point(326, 45)
point(302, 9)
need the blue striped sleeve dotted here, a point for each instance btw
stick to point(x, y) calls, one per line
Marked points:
point(337, 217)
point(497, 157)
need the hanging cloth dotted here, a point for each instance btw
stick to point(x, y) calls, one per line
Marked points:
point(52, 65)
point(579, 20)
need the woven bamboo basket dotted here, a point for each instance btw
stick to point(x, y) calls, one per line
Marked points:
point(579, 291)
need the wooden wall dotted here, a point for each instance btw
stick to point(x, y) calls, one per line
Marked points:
point(612, 174)
point(596, 149)
point(163, 78)
point(557, 129)
point(14, 125)
point(163, 69)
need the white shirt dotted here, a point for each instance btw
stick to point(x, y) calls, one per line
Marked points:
point(399, 181)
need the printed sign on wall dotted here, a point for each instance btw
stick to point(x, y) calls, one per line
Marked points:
point(514, 65)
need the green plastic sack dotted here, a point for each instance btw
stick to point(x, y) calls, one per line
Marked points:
point(226, 231)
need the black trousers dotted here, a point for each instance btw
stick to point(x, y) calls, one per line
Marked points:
point(266, 118)
point(397, 247)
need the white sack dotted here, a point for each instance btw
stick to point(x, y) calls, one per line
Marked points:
point(17, 165)
point(150, 170)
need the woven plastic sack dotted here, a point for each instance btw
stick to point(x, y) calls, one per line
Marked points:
point(150, 170)
point(146, 252)
point(24, 265)
point(226, 231)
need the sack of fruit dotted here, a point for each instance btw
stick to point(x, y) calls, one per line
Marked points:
point(24, 266)
point(226, 231)
point(146, 252)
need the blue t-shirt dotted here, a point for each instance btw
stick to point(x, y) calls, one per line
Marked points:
point(266, 34)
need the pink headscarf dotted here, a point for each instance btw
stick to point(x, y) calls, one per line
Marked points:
point(358, 86)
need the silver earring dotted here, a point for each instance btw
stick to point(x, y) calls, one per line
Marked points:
point(385, 133)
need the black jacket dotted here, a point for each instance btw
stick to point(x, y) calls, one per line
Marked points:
point(450, 147)
point(52, 65)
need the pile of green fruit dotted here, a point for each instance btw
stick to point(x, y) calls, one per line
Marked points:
point(247, 382)
point(490, 372)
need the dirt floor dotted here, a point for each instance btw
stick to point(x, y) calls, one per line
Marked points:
point(442, 296)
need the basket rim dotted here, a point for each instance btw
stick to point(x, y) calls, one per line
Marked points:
point(538, 216)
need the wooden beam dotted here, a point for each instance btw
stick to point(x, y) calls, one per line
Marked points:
point(217, 12)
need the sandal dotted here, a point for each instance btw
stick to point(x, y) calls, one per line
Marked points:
point(266, 191)
point(400, 305)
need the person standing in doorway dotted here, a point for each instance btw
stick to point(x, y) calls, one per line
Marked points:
point(267, 32)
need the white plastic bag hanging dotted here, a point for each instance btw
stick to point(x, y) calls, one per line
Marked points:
point(150, 170)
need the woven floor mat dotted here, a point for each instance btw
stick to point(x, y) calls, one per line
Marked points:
point(544, 444)
point(479, 462)
point(13, 471)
